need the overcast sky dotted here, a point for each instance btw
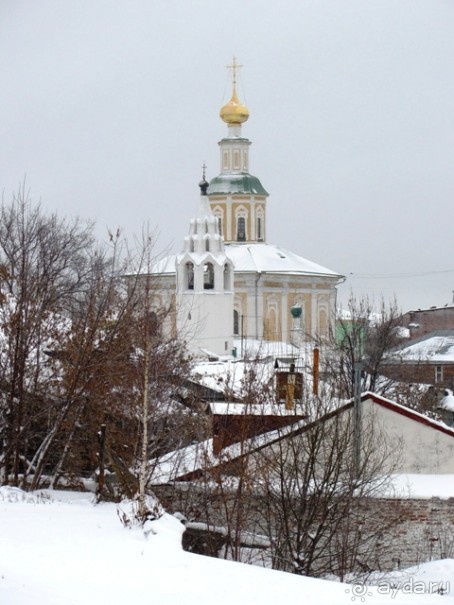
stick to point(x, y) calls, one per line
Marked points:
point(109, 108)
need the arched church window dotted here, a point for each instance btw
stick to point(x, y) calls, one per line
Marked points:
point(323, 323)
point(271, 320)
point(236, 323)
point(208, 276)
point(260, 224)
point(207, 244)
point(219, 215)
point(259, 228)
point(271, 331)
point(153, 324)
point(190, 276)
point(241, 229)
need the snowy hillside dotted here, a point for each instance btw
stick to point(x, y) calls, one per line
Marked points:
point(60, 549)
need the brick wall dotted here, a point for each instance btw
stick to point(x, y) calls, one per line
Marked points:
point(421, 372)
point(424, 532)
point(404, 532)
point(429, 320)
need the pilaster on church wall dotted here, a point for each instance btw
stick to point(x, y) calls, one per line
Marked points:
point(284, 314)
point(228, 213)
point(242, 306)
point(308, 315)
point(172, 319)
point(294, 298)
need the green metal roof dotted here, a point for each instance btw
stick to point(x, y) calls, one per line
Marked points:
point(226, 184)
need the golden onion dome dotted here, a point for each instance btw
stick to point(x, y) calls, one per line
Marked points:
point(234, 112)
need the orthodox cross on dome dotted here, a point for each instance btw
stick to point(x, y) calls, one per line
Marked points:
point(203, 183)
point(234, 67)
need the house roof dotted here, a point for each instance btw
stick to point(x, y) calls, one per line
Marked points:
point(191, 462)
point(436, 347)
point(231, 408)
point(407, 412)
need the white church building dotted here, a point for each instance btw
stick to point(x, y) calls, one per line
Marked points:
point(228, 282)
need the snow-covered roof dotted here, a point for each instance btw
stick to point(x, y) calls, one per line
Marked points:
point(258, 355)
point(405, 411)
point(268, 258)
point(194, 460)
point(259, 258)
point(434, 308)
point(436, 347)
point(229, 408)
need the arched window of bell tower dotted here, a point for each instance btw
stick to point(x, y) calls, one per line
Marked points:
point(208, 276)
point(227, 278)
point(189, 276)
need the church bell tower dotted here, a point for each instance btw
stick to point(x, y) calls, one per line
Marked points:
point(205, 284)
point(237, 198)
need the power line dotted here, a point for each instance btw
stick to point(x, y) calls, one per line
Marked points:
point(398, 275)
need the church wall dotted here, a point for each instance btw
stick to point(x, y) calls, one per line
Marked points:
point(207, 321)
point(251, 207)
point(276, 296)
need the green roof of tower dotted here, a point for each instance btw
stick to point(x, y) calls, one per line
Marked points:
point(225, 184)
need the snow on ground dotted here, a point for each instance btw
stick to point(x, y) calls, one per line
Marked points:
point(61, 549)
point(420, 486)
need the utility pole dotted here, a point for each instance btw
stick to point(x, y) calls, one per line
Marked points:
point(357, 429)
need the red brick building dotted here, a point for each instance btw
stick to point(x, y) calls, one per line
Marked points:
point(428, 359)
point(424, 321)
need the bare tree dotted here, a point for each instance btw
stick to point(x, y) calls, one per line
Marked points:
point(314, 501)
point(81, 345)
point(156, 369)
point(90, 364)
point(366, 336)
point(44, 266)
